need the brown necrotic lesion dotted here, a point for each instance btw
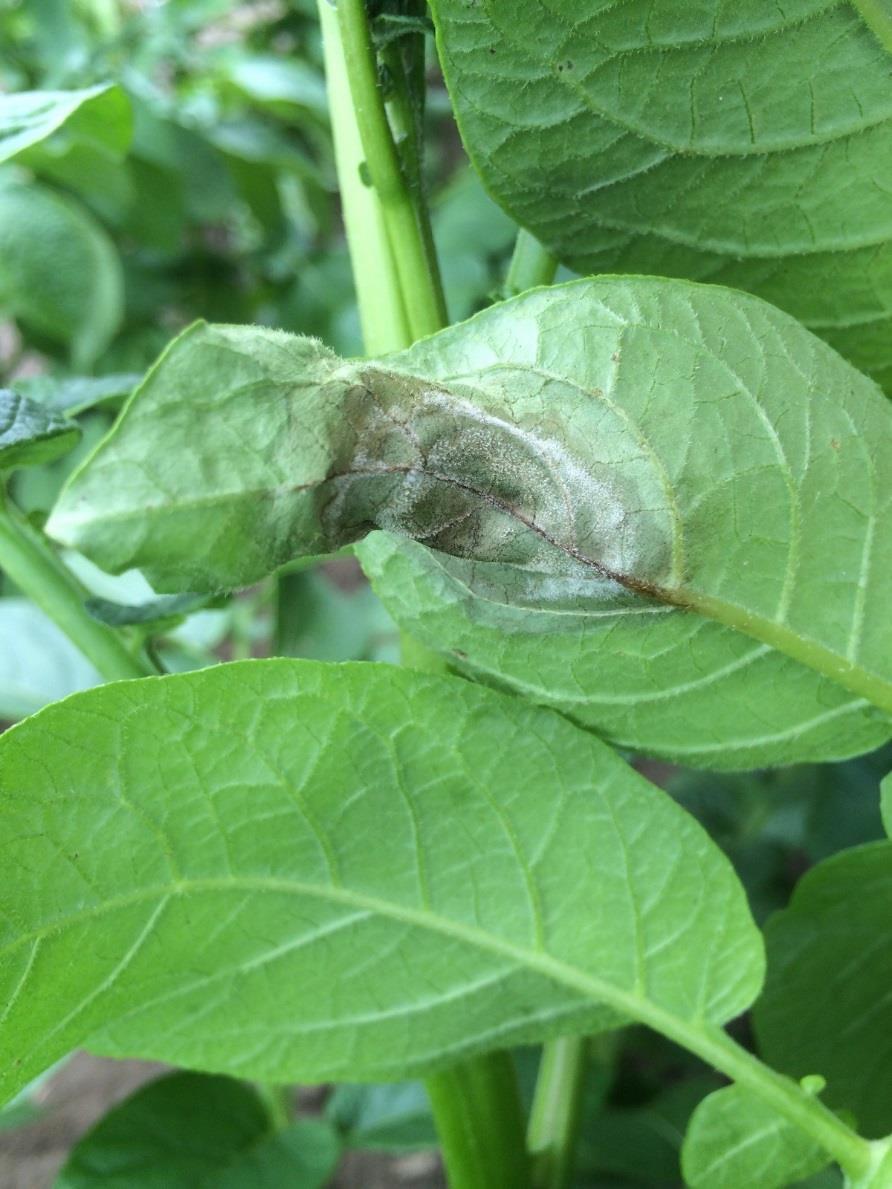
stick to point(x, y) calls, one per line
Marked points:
point(431, 463)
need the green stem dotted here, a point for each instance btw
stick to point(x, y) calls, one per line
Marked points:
point(879, 1175)
point(877, 15)
point(279, 1103)
point(32, 565)
point(381, 311)
point(531, 265)
point(410, 248)
point(476, 1103)
point(855, 1155)
point(554, 1119)
point(479, 1116)
point(405, 116)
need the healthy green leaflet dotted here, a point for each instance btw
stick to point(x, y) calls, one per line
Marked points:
point(748, 144)
point(216, 902)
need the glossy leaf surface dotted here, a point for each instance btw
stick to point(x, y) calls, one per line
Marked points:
point(214, 901)
point(826, 1008)
point(749, 144)
point(193, 1131)
point(623, 492)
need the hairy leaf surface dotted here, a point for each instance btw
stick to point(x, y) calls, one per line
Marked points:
point(97, 115)
point(293, 871)
point(193, 1131)
point(749, 144)
point(827, 1007)
point(30, 433)
point(661, 507)
point(734, 1139)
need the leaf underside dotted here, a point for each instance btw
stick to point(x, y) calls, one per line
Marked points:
point(185, 874)
point(663, 508)
point(734, 1139)
point(748, 144)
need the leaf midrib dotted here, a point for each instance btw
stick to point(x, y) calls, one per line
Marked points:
point(692, 1032)
point(807, 652)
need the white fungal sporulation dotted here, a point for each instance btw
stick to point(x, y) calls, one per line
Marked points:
point(443, 468)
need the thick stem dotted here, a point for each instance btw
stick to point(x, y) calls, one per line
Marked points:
point(531, 265)
point(855, 1155)
point(381, 311)
point(476, 1103)
point(33, 566)
point(479, 1116)
point(554, 1119)
point(415, 265)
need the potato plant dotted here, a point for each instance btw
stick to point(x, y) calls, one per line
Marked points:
point(523, 888)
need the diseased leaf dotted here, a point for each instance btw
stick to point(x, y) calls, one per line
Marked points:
point(749, 144)
point(30, 433)
point(97, 115)
point(735, 1139)
point(59, 271)
point(38, 663)
point(193, 1131)
point(626, 493)
point(826, 1007)
point(185, 873)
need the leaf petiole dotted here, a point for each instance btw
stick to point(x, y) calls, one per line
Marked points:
point(33, 566)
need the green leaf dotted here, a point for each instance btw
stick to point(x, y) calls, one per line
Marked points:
point(77, 394)
point(281, 83)
point(167, 608)
point(185, 873)
point(826, 1007)
point(318, 621)
point(97, 115)
point(735, 1139)
point(192, 1131)
point(625, 493)
point(59, 271)
point(886, 803)
point(30, 433)
point(392, 1117)
point(38, 663)
point(748, 144)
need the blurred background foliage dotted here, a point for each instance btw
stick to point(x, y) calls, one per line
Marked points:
point(198, 182)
